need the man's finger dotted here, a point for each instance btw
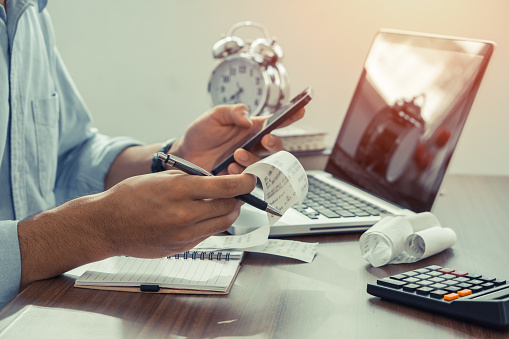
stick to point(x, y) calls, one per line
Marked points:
point(272, 143)
point(228, 115)
point(215, 187)
point(215, 225)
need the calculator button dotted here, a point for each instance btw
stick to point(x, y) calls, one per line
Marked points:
point(410, 274)
point(446, 270)
point(410, 287)
point(476, 281)
point(459, 273)
point(438, 286)
point(476, 289)
point(421, 270)
point(461, 279)
point(438, 294)
point(499, 282)
point(464, 293)
point(410, 280)
point(487, 279)
point(452, 289)
point(488, 285)
point(424, 282)
point(423, 276)
point(436, 279)
point(433, 267)
point(450, 282)
point(434, 273)
point(451, 296)
point(448, 276)
point(399, 276)
point(391, 283)
point(473, 276)
point(464, 285)
point(423, 290)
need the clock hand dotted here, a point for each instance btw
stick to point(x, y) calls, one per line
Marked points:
point(237, 94)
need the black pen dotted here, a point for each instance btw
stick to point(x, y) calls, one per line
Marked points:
point(190, 168)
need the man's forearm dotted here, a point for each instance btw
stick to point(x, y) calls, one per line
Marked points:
point(74, 233)
point(63, 238)
point(132, 161)
point(136, 160)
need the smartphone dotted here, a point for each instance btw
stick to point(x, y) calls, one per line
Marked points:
point(274, 121)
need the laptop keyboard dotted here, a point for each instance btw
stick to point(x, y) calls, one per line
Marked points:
point(333, 202)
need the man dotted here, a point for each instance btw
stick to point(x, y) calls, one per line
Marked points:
point(107, 201)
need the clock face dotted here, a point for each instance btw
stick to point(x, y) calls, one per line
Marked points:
point(239, 80)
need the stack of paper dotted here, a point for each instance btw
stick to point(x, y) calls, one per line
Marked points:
point(297, 139)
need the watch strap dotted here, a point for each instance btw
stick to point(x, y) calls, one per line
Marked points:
point(157, 164)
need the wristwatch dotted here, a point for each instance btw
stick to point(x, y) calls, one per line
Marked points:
point(157, 164)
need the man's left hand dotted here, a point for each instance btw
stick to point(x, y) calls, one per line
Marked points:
point(209, 138)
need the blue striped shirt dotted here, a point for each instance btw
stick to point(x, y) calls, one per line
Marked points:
point(49, 152)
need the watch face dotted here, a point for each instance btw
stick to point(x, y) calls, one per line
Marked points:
point(238, 79)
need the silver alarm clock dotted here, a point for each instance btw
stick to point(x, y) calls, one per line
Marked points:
point(249, 72)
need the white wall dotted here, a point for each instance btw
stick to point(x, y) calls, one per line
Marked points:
point(143, 66)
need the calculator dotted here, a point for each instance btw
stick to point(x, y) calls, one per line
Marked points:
point(456, 293)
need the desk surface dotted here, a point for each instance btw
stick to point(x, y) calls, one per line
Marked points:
point(283, 298)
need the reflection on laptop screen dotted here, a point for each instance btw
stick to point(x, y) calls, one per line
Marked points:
point(407, 114)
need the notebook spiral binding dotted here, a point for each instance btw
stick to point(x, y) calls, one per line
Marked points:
point(202, 255)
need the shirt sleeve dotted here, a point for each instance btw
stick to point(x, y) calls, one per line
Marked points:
point(85, 155)
point(83, 160)
point(10, 261)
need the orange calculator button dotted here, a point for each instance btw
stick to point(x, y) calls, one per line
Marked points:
point(451, 296)
point(464, 292)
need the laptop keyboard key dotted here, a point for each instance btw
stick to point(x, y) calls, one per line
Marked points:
point(332, 202)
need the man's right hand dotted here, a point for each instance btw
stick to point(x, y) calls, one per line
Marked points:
point(147, 216)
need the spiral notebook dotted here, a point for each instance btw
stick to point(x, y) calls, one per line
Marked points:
point(193, 272)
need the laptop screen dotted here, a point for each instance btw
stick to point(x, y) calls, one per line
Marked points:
point(407, 114)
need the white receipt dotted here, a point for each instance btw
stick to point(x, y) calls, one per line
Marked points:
point(218, 242)
point(405, 239)
point(284, 181)
point(303, 251)
point(257, 241)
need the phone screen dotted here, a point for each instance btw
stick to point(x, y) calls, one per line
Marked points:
point(275, 120)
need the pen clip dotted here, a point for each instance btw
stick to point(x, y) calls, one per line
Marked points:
point(182, 164)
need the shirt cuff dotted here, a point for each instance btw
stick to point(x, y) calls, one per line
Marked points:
point(10, 261)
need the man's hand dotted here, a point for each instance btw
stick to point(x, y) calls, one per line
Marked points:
point(147, 216)
point(171, 212)
point(211, 135)
point(207, 140)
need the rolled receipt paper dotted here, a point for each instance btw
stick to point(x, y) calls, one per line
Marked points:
point(405, 239)
point(284, 181)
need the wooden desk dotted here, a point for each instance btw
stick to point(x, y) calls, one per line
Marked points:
point(282, 298)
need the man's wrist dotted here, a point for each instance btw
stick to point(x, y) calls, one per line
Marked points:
point(157, 164)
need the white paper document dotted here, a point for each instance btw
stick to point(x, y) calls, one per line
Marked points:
point(405, 239)
point(257, 241)
point(219, 242)
point(299, 250)
point(284, 181)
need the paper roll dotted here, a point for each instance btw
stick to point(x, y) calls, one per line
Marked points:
point(284, 181)
point(385, 240)
point(430, 241)
point(405, 239)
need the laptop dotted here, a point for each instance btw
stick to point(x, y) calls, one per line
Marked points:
point(396, 140)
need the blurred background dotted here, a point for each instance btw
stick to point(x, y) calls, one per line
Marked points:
point(143, 67)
